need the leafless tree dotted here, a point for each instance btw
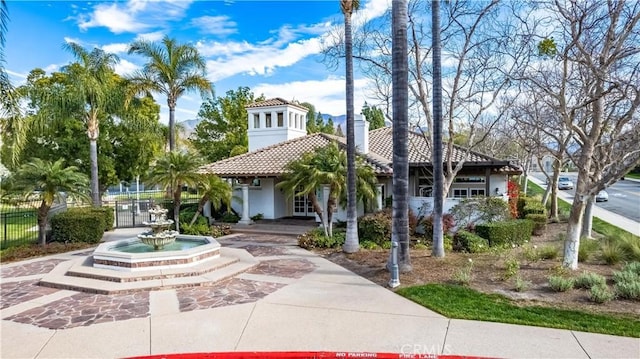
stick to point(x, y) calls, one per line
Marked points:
point(596, 93)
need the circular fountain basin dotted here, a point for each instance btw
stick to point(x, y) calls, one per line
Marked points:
point(131, 255)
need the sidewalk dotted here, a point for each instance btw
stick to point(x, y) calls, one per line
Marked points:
point(617, 220)
point(293, 300)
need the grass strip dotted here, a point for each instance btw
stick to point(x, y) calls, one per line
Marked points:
point(459, 302)
point(598, 225)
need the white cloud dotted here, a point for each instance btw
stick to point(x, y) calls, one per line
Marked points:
point(117, 48)
point(116, 18)
point(215, 25)
point(125, 67)
point(150, 36)
point(74, 40)
point(51, 68)
point(134, 15)
point(328, 95)
point(260, 60)
point(16, 74)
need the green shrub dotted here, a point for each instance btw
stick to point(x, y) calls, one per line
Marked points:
point(108, 215)
point(612, 252)
point(375, 227)
point(588, 280)
point(560, 284)
point(632, 267)
point(601, 294)
point(511, 268)
point(420, 246)
point(219, 230)
point(257, 217)
point(522, 285)
point(199, 228)
point(587, 248)
point(534, 208)
point(539, 222)
point(464, 241)
point(548, 252)
point(470, 211)
point(427, 224)
point(229, 217)
point(315, 238)
point(78, 225)
point(628, 246)
point(628, 290)
point(464, 275)
point(369, 245)
point(506, 232)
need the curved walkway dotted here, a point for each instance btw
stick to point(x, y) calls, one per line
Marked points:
point(293, 300)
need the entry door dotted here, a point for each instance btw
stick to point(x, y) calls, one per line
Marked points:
point(302, 206)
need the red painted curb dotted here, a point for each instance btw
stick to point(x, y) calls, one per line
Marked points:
point(260, 355)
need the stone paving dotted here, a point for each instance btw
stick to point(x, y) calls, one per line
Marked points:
point(230, 292)
point(13, 293)
point(264, 251)
point(84, 309)
point(39, 267)
point(289, 268)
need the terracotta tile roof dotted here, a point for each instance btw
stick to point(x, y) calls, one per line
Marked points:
point(381, 142)
point(272, 160)
point(276, 102)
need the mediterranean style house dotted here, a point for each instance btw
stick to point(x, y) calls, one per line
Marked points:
point(277, 135)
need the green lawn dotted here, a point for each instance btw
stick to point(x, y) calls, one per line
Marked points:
point(633, 175)
point(599, 225)
point(464, 303)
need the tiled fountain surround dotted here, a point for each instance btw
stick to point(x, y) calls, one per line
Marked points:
point(106, 257)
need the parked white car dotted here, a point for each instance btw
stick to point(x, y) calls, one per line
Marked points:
point(602, 196)
point(565, 183)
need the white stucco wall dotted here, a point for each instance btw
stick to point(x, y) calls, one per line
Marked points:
point(282, 204)
point(499, 182)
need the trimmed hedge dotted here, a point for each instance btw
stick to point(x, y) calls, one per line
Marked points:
point(530, 205)
point(108, 215)
point(539, 222)
point(505, 233)
point(78, 225)
point(464, 241)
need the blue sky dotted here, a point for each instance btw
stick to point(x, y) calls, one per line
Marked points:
point(273, 47)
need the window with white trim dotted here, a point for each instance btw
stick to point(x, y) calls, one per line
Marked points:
point(477, 192)
point(460, 193)
point(256, 120)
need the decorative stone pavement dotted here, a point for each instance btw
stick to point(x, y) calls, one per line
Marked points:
point(13, 293)
point(39, 267)
point(289, 268)
point(83, 309)
point(263, 251)
point(230, 292)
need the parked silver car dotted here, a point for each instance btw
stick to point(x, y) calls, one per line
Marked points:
point(565, 183)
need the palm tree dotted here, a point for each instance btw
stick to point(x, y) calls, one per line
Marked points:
point(8, 98)
point(351, 244)
point(48, 181)
point(92, 93)
point(438, 180)
point(326, 167)
point(400, 85)
point(172, 171)
point(213, 189)
point(172, 70)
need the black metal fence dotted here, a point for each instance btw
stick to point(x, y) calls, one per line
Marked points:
point(19, 222)
point(19, 219)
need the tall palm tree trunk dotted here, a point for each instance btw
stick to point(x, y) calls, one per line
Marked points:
point(176, 208)
point(438, 185)
point(351, 244)
point(172, 124)
point(400, 84)
point(95, 182)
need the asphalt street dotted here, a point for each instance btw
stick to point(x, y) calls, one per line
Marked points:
point(624, 196)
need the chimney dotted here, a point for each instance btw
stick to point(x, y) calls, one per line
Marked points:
point(361, 131)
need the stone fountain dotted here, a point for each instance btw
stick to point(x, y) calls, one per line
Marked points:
point(160, 235)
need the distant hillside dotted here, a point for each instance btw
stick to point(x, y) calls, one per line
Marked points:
point(189, 125)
